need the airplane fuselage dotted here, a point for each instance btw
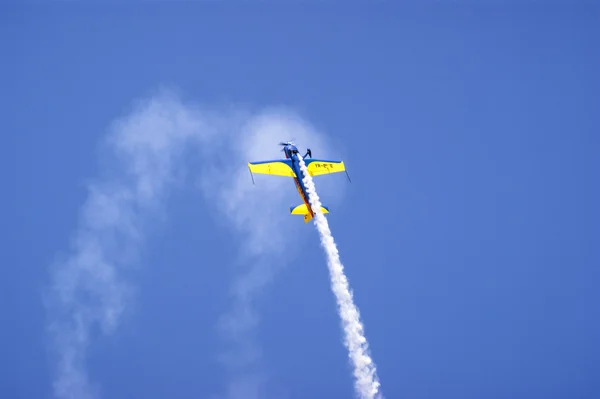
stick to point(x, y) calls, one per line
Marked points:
point(291, 152)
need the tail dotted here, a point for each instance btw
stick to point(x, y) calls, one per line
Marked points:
point(303, 210)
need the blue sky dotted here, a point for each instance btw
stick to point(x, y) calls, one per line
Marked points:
point(469, 231)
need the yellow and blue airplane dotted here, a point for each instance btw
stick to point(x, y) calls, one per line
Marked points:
point(290, 167)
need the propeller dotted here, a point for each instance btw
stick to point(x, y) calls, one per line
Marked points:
point(283, 144)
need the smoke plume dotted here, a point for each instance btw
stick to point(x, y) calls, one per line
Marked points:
point(367, 383)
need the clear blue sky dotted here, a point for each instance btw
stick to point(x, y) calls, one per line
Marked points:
point(469, 232)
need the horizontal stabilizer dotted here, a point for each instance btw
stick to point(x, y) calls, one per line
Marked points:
point(303, 210)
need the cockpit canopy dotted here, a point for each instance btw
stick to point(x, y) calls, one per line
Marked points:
point(290, 149)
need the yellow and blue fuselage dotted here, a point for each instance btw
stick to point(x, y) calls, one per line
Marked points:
point(299, 180)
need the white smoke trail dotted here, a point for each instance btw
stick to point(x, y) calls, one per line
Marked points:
point(367, 383)
point(88, 289)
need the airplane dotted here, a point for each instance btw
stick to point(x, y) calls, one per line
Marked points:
point(290, 167)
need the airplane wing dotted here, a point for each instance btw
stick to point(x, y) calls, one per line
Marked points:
point(279, 167)
point(318, 167)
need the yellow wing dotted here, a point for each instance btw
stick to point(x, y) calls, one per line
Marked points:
point(278, 168)
point(318, 167)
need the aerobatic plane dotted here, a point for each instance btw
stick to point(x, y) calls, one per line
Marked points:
point(290, 167)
